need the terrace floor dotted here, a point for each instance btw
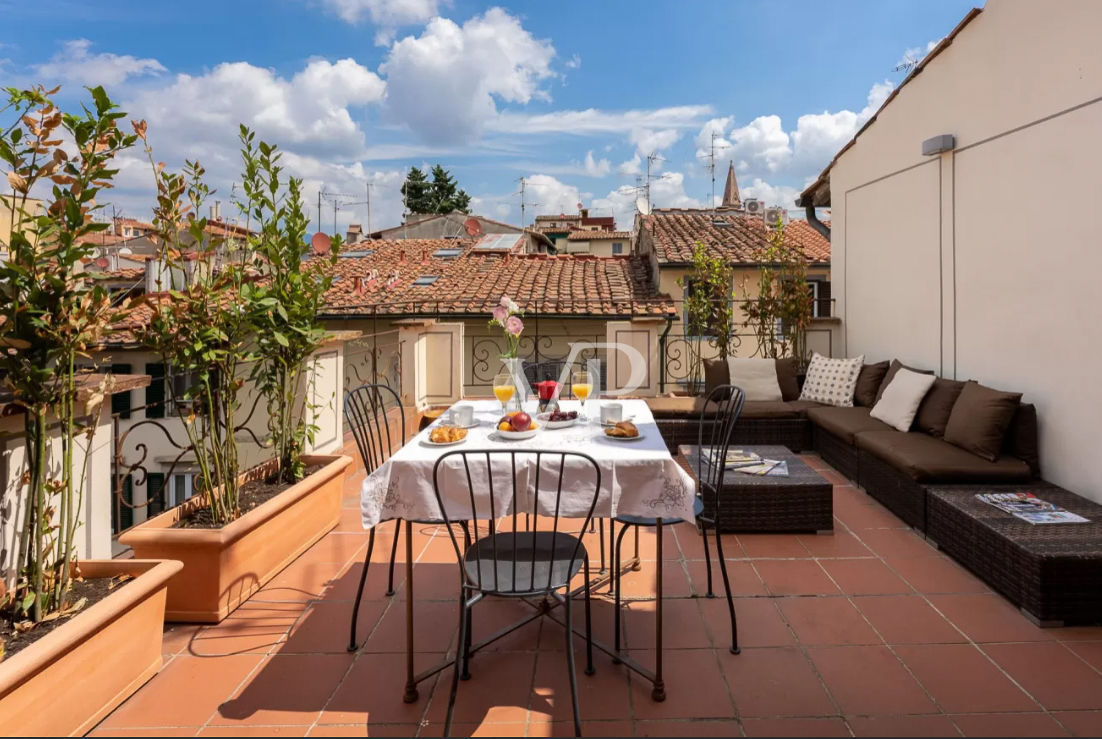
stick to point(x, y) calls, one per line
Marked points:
point(868, 631)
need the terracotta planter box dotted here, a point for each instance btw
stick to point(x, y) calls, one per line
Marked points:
point(67, 681)
point(223, 567)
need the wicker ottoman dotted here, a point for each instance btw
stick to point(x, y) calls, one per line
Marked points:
point(1052, 572)
point(803, 501)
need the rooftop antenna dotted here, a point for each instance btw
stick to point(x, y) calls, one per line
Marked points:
point(523, 202)
point(651, 158)
point(711, 165)
point(908, 63)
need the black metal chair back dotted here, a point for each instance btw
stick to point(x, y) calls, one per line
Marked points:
point(717, 423)
point(367, 410)
point(530, 557)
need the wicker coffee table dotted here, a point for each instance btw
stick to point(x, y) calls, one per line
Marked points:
point(1052, 572)
point(803, 501)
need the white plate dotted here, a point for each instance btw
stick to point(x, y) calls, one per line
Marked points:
point(472, 425)
point(613, 423)
point(542, 418)
point(640, 437)
point(429, 442)
point(517, 435)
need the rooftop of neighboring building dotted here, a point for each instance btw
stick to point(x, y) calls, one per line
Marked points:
point(737, 236)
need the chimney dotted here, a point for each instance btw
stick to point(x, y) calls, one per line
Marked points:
point(354, 234)
point(216, 210)
point(401, 256)
point(358, 286)
point(584, 212)
point(424, 255)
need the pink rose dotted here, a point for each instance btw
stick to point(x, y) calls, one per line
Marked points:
point(514, 325)
point(500, 313)
point(505, 302)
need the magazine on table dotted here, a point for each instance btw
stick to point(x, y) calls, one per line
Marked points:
point(766, 467)
point(1028, 507)
point(738, 458)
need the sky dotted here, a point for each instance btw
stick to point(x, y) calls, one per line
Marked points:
point(571, 96)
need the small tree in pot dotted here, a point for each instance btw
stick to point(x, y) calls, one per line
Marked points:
point(284, 304)
point(781, 311)
point(709, 298)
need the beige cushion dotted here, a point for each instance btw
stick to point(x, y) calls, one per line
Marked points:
point(899, 402)
point(832, 381)
point(756, 377)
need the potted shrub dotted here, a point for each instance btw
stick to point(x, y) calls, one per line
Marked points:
point(709, 296)
point(781, 311)
point(73, 643)
point(252, 307)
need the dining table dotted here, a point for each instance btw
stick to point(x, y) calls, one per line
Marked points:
point(638, 476)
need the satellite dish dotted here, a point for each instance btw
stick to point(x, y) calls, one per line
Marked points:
point(126, 251)
point(321, 244)
point(102, 263)
point(474, 228)
point(642, 205)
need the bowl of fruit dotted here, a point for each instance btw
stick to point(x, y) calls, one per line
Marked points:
point(558, 419)
point(517, 425)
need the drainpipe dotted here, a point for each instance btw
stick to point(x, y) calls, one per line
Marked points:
point(662, 355)
point(815, 223)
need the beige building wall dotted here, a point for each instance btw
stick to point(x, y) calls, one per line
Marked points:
point(978, 262)
point(8, 212)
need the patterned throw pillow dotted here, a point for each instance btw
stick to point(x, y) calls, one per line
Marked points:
point(832, 381)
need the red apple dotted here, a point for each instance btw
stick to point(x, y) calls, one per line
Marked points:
point(521, 421)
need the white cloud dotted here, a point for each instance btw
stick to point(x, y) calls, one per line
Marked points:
point(782, 195)
point(648, 141)
point(666, 191)
point(632, 166)
point(591, 121)
point(387, 15)
point(574, 62)
point(762, 144)
point(819, 136)
point(596, 167)
point(588, 167)
point(719, 127)
point(915, 54)
point(552, 195)
point(443, 83)
point(75, 64)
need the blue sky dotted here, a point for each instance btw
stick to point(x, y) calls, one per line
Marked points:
point(572, 96)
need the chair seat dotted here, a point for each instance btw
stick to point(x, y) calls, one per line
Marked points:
point(543, 561)
point(698, 508)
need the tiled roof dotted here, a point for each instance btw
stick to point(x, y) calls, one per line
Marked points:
point(674, 233)
point(598, 235)
point(133, 274)
point(472, 282)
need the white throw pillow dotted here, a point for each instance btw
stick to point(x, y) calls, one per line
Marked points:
point(756, 377)
point(899, 403)
point(832, 381)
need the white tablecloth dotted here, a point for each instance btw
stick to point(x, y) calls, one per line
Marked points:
point(637, 478)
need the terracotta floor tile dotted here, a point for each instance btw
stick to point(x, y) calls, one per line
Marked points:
point(340, 547)
point(694, 685)
point(324, 627)
point(1078, 633)
point(863, 517)
point(907, 619)
point(1090, 651)
point(1051, 673)
point(362, 729)
point(864, 577)
point(1009, 724)
point(743, 577)
point(988, 618)
point(963, 680)
point(458, 728)
point(205, 682)
point(795, 727)
point(759, 622)
point(692, 545)
point(827, 621)
point(351, 522)
point(538, 727)
point(775, 682)
point(371, 692)
point(838, 544)
point(286, 689)
point(759, 546)
point(901, 726)
point(869, 680)
point(602, 695)
point(177, 637)
point(687, 728)
point(253, 731)
point(897, 543)
point(253, 633)
point(435, 625)
point(162, 731)
point(835, 477)
point(641, 583)
point(931, 575)
point(498, 692)
point(794, 577)
point(1080, 723)
point(682, 625)
point(301, 581)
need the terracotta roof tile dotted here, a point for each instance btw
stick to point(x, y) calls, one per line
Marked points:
point(598, 235)
point(735, 236)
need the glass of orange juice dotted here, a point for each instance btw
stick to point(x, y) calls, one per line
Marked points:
point(582, 386)
point(504, 389)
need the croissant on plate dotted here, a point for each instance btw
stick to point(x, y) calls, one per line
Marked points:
point(623, 429)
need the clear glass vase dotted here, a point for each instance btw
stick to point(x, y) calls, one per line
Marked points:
point(515, 367)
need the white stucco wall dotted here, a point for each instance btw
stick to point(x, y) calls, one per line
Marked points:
point(981, 263)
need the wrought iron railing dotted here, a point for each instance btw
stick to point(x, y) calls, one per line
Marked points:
point(374, 358)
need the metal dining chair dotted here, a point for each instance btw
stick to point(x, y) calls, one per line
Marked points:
point(519, 562)
point(717, 423)
point(366, 409)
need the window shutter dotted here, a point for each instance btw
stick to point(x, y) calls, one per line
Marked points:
point(120, 402)
point(154, 493)
point(824, 299)
point(155, 393)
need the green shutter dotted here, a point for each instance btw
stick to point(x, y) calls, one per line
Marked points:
point(120, 402)
point(154, 493)
point(155, 393)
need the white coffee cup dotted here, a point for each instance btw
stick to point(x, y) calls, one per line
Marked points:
point(463, 414)
point(612, 413)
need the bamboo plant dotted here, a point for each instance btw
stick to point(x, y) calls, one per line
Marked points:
point(709, 298)
point(781, 311)
point(51, 316)
point(285, 302)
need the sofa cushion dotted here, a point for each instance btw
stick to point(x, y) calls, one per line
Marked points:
point(980, 419)
point(1021, 438)
point(716, 373)
point(786, 378)
point(681, 406)
point(934, 412)
point(926, 459)
point(756, 377)
point(868, 383)
point(768, 409)
point(899, 403)
point(803, 406)
point(831, 380)
point(845, 422)
point(895, 366)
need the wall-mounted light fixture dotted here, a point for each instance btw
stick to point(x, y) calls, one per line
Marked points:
point(938, 144)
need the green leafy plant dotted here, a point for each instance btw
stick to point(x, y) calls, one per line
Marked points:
point(202, 328)
point(440, 195)
point(781, 310)
point(51, 316)
point(709, 299)
point(285, 303)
